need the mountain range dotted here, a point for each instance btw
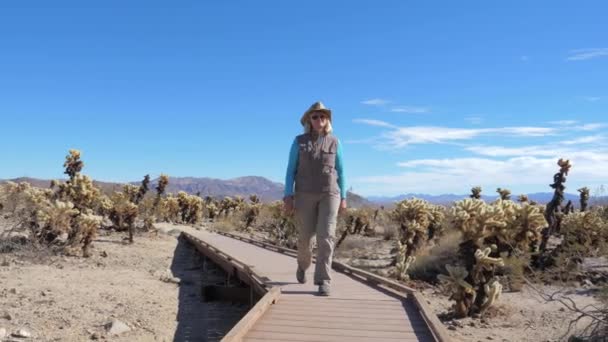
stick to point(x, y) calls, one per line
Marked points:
point(268, 190)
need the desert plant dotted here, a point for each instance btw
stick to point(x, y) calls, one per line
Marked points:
point(554, 210)
point(585, 234)
point(123, 213)
point(161, 187)
point(476, 220)
point(505, 194)
point(475, 192)
point(584, 197)
point(357, 221)
point(419, 222)
point(283, 230)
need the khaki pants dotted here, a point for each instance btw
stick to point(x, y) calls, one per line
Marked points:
point(317, 214)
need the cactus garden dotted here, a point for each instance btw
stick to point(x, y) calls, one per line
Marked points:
point(479, 256)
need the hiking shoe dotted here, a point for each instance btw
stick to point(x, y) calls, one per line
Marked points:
point(301, 276)
point(324, 290)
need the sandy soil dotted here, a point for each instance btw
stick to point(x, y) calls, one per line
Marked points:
point(58, 298)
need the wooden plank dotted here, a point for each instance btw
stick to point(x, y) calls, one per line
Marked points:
point(311, 337)
point(246, 323)
point(438, 329)
point(371, 325)
point(372, 277)
point(354, 320)
point(329, 315)
point(345, 333)
point(359, 304)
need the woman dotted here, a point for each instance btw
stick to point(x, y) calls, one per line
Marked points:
point(316, 167)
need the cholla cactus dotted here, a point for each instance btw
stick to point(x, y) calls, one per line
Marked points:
point(462, 292)
point(553, 211)
point(169, 209)
point(403, 261)
point(585, 234)
point(584, 197)
point(54, 219)
point(357, 222)
point(505, 194)
point(282, 228)
point(480, 222)
point(73, 165)
point(212, 210)
point(123, 213)
point(79, 190)
point(87, 224)
point(522, 230)
point(163, 182)
point(190, 207)
point(251, 215)
point(493, 290)
point(419, 222)
point(476, 219)
point(522, 198)
point(254, 199)
point(476, 192)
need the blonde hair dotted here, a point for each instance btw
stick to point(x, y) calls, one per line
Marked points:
point(308, 127)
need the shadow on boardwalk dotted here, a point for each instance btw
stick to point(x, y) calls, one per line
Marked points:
point(198, 320)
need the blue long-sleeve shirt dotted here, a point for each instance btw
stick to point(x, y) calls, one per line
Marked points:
point(292, 167)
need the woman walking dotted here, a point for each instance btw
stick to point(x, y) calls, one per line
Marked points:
point(315, 165)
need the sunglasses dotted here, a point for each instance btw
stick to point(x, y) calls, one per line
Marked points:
point(317, 117)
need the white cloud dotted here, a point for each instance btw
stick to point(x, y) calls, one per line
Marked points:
point(501, 151)
point(409, 109)
point(590, 127)
point(375, 102)
point(398, 137)
point(564, 122)
point(584, 140)
point(458, 175)
point(372, 122)
point(585, 54)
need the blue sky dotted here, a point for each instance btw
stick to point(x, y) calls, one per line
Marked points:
point(430, 97)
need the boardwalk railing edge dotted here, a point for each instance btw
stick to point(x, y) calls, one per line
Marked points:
point(437, 328)
point(235, 267)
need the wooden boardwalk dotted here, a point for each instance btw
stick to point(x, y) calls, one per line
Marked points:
point(362, 307)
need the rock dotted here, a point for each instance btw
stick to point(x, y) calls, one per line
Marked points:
point(3, 332)
point(6, 315)
point(22, 333)
point(116, 327)
point(13, 291)
point(451, 327)
point(95, 336)
point(103, 254)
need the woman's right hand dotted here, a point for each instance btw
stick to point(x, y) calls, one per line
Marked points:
point(288, 205)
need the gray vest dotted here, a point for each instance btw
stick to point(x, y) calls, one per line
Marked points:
point(316, 171)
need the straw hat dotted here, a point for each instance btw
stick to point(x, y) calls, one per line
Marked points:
point(316, 107)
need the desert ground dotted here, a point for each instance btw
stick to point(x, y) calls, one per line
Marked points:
point(145, 287)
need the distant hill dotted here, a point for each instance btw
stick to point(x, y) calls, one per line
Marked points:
point(445, 199)
point(266, 189)
point(269, 191)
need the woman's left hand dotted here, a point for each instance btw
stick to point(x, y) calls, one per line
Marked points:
point(342, 206)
